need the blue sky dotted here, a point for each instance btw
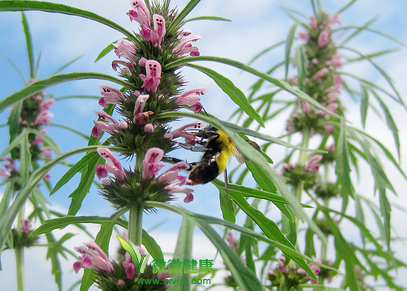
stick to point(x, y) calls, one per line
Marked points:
point(255, 25)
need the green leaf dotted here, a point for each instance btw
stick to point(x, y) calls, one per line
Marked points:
point(66, 65)
point(25, 158)
point(301, 61)
point(288, 45)
point(151, 246)
point(215, 18)
point(29, 45)
point(232, 91)
point(87, 177)
point(342, 169)
point(60, 8)
point(180, 17)
point(344, 251)
point(104, 52)
point(226, 205)
point(183, 250)
point(364, 104)
point(62, 222)
point(390, 122)
point(39, 85)
point(14, 120)
point(266, 50)
point(81, 164)
point(279, 83)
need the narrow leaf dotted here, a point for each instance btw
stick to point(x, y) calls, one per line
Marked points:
point(288, 45)
point(39, 85)
point(232, 91)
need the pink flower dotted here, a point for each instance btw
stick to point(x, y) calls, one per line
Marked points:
point(101, 171)
point(320, 74)
point(336, 60)
point(93, 258)
point(172, 173)
point(25, 225)
point(113, 165)
point(123, 67)
point(150, 162)
point(46, 105)
point(103, 124)
point(42, 118)
point(153, 77)
point(47, 177)
point(190, 138)
point(304, 35)
point(334, 20)
point(337, 79)
point(313, 22)
point(149, 127)
point(312, 164)
point(323, 38)
point(141, 117)
point(46, 152)
point(159, 30)
point(191, 98)
point(111, 96)
point(174, 188)
point(156, 34)
point(10, 164)
point(125, 48)
point(230, 240)
point(329, 129)
point(140, 14)
point(129, 267)
point(4, 173)
point(281, 267)
point(185, 46)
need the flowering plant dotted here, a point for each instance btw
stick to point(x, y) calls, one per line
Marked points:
point(139, 152)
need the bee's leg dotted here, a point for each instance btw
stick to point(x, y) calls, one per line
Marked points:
point(193, 148)
point(172, 160)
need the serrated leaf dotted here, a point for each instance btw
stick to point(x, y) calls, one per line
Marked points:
point(81, 164)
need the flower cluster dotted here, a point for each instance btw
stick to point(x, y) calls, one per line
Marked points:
point(112, 275)
point(152, 90)
point(291, 277)
point(22, 236)
point(322, 82)
point(296, 174)
point(34, 114)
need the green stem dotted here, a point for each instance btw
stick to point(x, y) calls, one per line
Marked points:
point(135, 224)
point(135, 228)
point(19, 253)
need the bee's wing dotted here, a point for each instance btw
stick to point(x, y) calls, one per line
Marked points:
point(238, 155)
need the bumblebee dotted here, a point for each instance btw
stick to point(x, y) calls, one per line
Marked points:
point(217, 148)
